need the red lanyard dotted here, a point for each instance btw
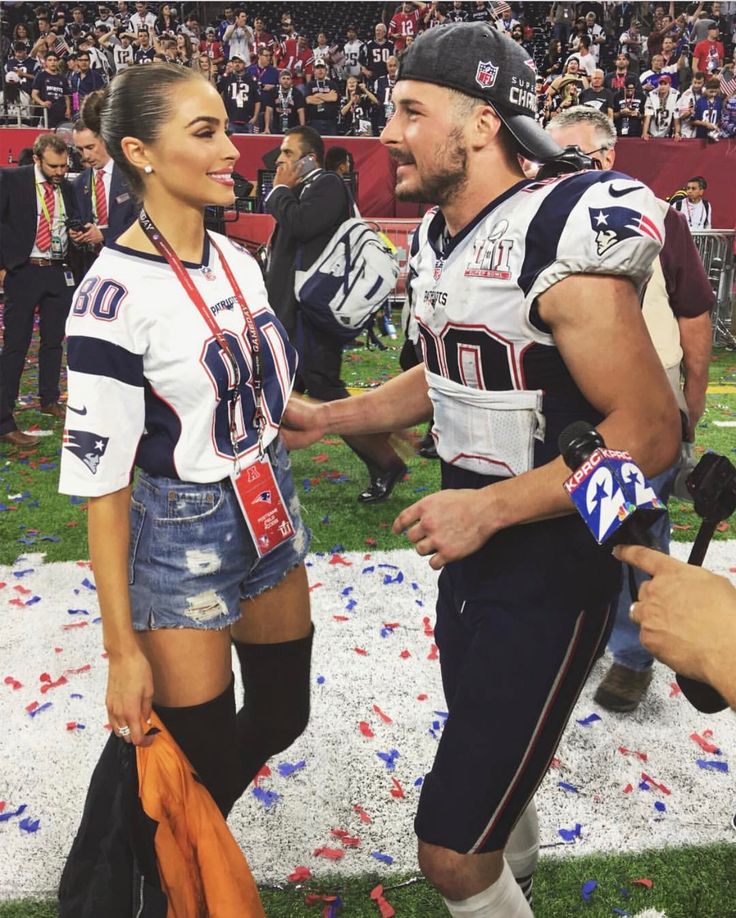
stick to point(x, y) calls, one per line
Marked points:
point(159, 240)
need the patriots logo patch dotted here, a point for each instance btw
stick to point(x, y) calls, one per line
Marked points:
point(485, 75)
point(614, 224)
point(264, 497)
point(89, 447)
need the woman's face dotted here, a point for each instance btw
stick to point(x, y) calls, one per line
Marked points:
point(21, 31)
point(351, 85)
point(193, 158)
point(180, 43)
point(165, 9)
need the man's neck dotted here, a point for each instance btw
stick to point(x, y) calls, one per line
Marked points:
point(463, 209)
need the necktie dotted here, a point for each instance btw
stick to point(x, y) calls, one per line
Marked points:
point(100, 199)
point(43, 235)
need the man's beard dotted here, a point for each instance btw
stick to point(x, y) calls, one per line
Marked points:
point(448, 178)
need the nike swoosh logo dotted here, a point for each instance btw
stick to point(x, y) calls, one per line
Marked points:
point(81, 411)
point(620, 192)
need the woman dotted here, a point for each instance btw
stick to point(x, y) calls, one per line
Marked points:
point(185, 53)
point(207, 68)
point(21, 33)
point(161, 341)
point(166, 22)
point(356, 108)
point(552, 63)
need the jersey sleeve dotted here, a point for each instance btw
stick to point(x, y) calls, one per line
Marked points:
point(106, 397)
point(592, 223)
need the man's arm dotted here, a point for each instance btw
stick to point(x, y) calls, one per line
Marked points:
point(318, 209)
point(696, 340)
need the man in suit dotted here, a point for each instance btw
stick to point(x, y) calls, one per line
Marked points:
point(103, 198)
point(35, 203)
point(308, 205)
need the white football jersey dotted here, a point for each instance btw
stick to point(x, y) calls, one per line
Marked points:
point(500, 389)
point(148, 383)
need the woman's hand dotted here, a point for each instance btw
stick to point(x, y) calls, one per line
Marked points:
point(130, 696)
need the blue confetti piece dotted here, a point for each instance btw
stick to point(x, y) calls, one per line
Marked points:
point(46, 466)
point(77, 612)
point(76, 695)
point(643, 785)
point(34, 504)
point(387, 578)
point(710, 764)
point(568, 787)
point(286, 769)
point(621, 911)
point(383, 858)
point(351, 604)
point(590, 719)
point(88, 583)
point(393, 567)
point(4, 817)
point(337, 549)
point(320, 680)
point(414, 585)
point(25, 541)
point(325, 520)
point(42, 707)
point(570, 834)
point(368, 570)
point(389, 758)
point(267, 797)
point(347, 591)
point(29, 825)
point(419, 782)
point(443, 714)
point(48, 538)
point(33, 600)
point(28, 570)
point(386, 632)
point(306, 484)
point(77, 500)
point(588, 889)
point(660, 807)
point(96, 621)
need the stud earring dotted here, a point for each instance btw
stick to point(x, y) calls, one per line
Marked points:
point(148, 169)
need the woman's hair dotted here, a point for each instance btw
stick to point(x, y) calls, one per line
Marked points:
point(137, 103)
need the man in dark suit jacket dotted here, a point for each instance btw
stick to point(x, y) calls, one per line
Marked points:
point(35, 202)
point(308, 205)
point(104, 200)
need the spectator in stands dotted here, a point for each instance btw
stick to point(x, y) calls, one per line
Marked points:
point(192, 29)
point(266, 76)
point(50, 91)
point(143, 18)
point(650, 78)
point(596, 34)
point(404, 22)
point(632, 42)
point(616, 79)
point(664, 28)
point(597, 96)
point(339, 160)
point(352, 50)
point(480, 12)
point(286, 107)
point(356, 108)
point(261, 38)
point(84, 81)
point(707, 115)
point(628, 109)
point(228, 20)
point(143, 49)
point(384, 94)
point(76, 26)
point(186, 50)
point(21, 69)
point(239, 91)
point(458, 13)
point(120, 48)
point(660, 112)
point(97, 58)
point(288, 29)
point(700, 28)
point(506, 21)
point(207, 69)
point(517, 35)
point(572, 69)
point(566, 97)
point(686, 104)
point(709, 54)
point(375, 54)
point(728, 113)
point(105, 17)
point(322, 52)
point(302, 64)
point(434, 15)
point(552, 64)
point(210, 47)
point(693, 206)
point(322, 102)
point(238, 36)
point(561, 17)
point(166, 21)
point(584, 57)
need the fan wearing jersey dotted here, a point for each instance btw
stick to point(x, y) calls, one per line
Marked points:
point(661, 117)
point(178, 376)
point(242, 98)
point(526, 296)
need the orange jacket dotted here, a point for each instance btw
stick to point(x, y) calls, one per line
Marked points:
point(203, 871)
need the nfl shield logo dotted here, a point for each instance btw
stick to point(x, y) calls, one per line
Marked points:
point(438, 269)
point(485, 75)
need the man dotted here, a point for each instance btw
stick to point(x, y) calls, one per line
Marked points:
point(309, 204)
point(51, 91)
point(694, 208)
point(35, 202)
point(321, 100)
point(84, 81)
point(676, 310)
point(104, 201)
point(261, 38)
point(706, 118)
point(266, 76)
point(142, 19)
point(661, 118)
point(506, 22)
point(628, 109)
point(339, 160)
point(597, 36)
point(375, 54)
point(21, 70)
point(242, 99)
point(458, 13)
point(286, 107)
point(632, 42)
point(616, 80)
point(404, 23)
point(586, 60)
point(384, 93)
point(686, 104)
point(144, 51)
point(238, 37)
point(564, 278)
point(352, 52)
point(597, 96)
point(708, 54)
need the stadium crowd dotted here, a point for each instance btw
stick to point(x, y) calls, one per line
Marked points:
point(657, 70)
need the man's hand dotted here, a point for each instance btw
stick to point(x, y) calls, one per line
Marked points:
point(3, 272)
point(91, 235)
point(448, 525)
point(287, 174)
point(303, 423)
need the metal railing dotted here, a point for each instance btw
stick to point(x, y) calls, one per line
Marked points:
point(716, 249)
point(20, 115)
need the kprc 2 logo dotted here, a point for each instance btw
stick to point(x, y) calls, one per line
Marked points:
point(614, 224)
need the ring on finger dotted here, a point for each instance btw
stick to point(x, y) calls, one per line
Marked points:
point(124, 730)
point(631, 610)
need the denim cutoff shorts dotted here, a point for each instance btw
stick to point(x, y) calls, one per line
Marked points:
point(192, 558)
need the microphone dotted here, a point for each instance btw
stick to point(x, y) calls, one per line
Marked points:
point(609, 490)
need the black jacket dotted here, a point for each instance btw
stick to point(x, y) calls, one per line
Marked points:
point(306, 219)
point(121, 210)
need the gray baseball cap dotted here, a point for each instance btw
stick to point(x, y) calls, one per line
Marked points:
point(478, 60)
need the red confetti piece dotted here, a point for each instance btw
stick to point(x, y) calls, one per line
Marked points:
point(703, 743)
point(338, 559)
point(708, 732)
point(644, 881)
point(341, 618)
point(62, 680)
point(320, 457)
point(404, 654)
point(392, 625)
point(366, 730)
point(645, 777)
point(675, 690)
point(555, 763)
point(422, 697)
point(629, 788)
point(367, 557)
point(82, 669)
point(433, 653)
point(371, 542)
point(315, 585)
point(731, 570)
point(642, 756)
point(13, 683)
point(264, 772)
point(428, 629)
point(58, 649)
point(364, 817)
point(299, 874)
point(84, 564)
point(2, 585)
point(31, 707)
point(384, 906)
point(384, 717)
point(74, 625)
point(16, 602)
point(351, 841)
point(2, 805)
point(24, 591)
point(722, 527)
point(71, 725)
point(333, 854)
point(361, 651)
point(397, 790)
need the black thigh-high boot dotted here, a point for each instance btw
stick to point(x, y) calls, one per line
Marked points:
point(276, 703)
point(206, 734)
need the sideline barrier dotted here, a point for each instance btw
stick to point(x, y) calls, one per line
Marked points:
point(716, 249)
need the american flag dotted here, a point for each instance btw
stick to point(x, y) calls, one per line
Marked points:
point(498, 9)
point(728, 82)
